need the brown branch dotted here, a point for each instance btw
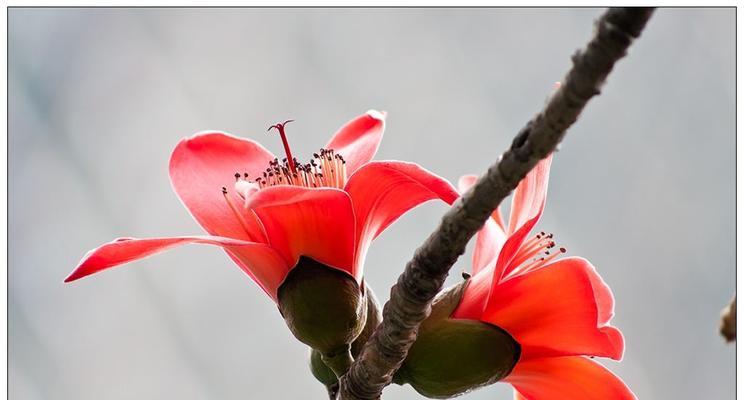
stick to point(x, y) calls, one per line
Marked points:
point(728, 321)
point(410, 298)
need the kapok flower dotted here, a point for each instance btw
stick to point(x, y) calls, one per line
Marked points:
point(272, 216)
point(526, 317)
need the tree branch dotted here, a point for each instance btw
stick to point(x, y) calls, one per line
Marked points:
point(728, 321)
point(411, 297)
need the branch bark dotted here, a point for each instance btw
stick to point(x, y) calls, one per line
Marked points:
point(424, 275)
point(728, 321)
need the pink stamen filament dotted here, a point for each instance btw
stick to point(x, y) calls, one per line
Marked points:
point(235, 211)
point(539, 262)
point(325, 170)
point(541, 243)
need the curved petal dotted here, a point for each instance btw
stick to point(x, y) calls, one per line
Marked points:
point(529, 197)
point(528, 204)
point(491, 237)
point(317, 223)
point(260, 261)
point(566, 378)
point(510, 248)
point(465, 183)
point(488, 244)
point(382, 191)
point(358, 140)
point(518, 396)
point(202, 165)
point(561, 309)
point(473, 301)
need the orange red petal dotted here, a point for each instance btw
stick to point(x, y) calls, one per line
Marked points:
point(313, 222)
point(357, 141)
point(382, 191)
point(566, 378)
point(529, 197)
point(259, 260)
point(489, 242)
point(204, 163)
point(528, 204)
point(557, 310)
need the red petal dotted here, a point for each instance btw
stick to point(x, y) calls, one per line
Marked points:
point(491, 237)
point(382, 191)
point(358, 140)
point(567, 378)
point(316, 223)
point(204, 163)
point(260, 261)
point(473, 301)
point(511, 247)
point(527, 207)
point(561, 309)
point(488, 244)
point(529, 197)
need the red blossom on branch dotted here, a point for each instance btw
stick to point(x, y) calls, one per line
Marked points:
point(557, 309)
point(267, 214)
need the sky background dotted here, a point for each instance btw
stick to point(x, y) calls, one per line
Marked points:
point(643, 185)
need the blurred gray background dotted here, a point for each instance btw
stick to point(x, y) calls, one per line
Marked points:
point(643, 185)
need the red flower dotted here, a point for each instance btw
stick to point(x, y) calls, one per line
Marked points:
point(329, 210)
point(557, 310)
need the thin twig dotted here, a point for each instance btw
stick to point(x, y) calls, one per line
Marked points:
point(410, 298)
point(728, 321)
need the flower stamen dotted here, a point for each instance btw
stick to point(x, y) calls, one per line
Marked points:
point(531, 249)
point(235, 211)
point(326, 169)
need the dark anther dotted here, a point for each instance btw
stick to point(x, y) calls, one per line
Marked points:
point(465, 275)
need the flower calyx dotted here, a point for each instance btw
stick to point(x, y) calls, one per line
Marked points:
point(324, 308)
point(454, 356)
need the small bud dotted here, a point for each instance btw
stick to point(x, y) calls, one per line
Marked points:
point(453, 356)
point(324, 308)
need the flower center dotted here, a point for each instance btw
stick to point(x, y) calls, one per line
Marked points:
point(535, 252)
point(326, 169)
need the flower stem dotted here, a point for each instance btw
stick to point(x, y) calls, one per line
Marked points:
point(339, 362)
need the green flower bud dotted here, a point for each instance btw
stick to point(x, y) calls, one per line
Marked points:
point(453, 356)
point(324, 308)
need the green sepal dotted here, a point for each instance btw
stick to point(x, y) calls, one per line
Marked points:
point(453, 356)
point(323, 307)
